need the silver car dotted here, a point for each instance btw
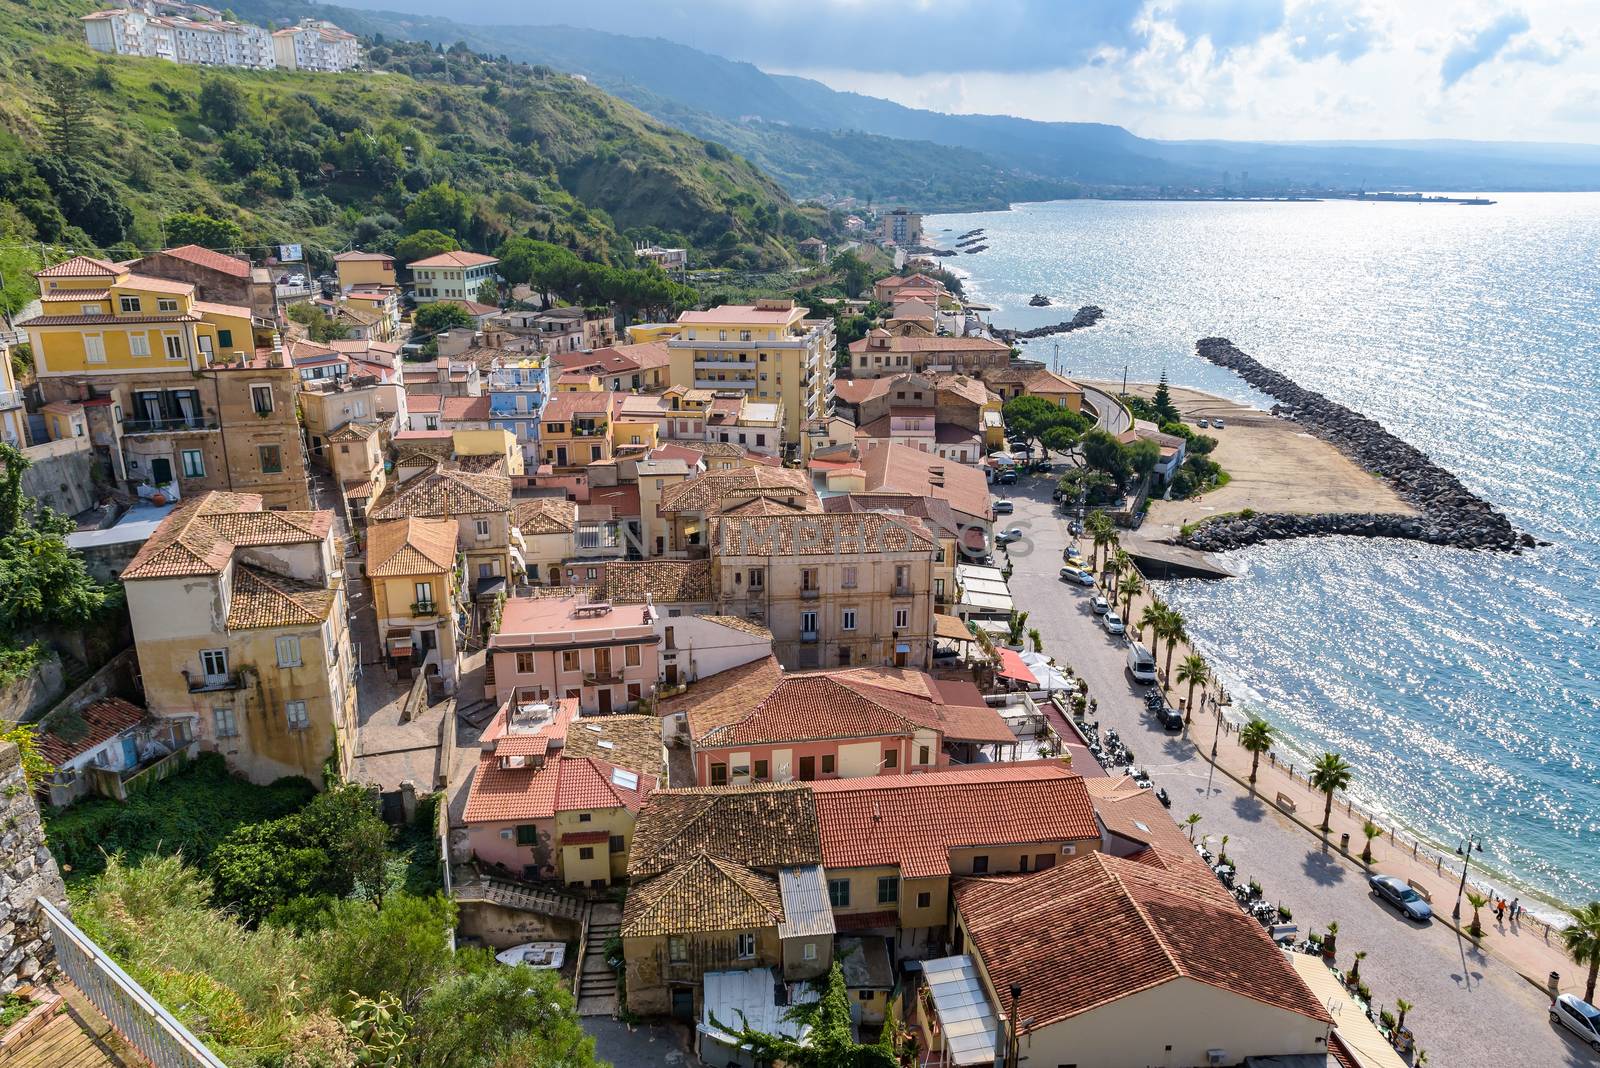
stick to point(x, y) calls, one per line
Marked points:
point(1113, 623)
point(1579, 1017)
point(1406, 901)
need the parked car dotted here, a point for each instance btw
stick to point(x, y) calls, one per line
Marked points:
point(1006, 537)
point(1579, 1017)
point(1100, 605)
point(1008, 477)
point(1406, 901)
point(1141, 664)
point(1002, 507)
point(1218, 424)
point(1202, 424)
point(1169, 718)
point(1078, 575)
point(1113, 624)
point(1071, 555)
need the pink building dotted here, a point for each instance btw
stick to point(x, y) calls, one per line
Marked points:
point(557, 648)
point(757, 724)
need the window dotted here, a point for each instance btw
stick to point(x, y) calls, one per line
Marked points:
point(719, 775)
point(586, 852)
point(810, 951)
point(1043, 861)
point(902, 618)
point(758, 578)
point(808, 622)
point(88, 309)
point(271, 459)
point(671, 641)
point(527, 835)
point(891, 758)
point(618, 843)
point(129, 304)
point(922, 754)
point(94, 348)
point(524, 663)
point(296, 713)
point(585, 817)
point(139, 344)
point(173, 343)
point(849, 582)
point(481, 527)
point(747, 945)
point(569, 660)
point(288, 651)
point(980, 865)
point(166, 304)
point(808, 579)
point(761, 439)
point(222, 722)
point(888, 890)
point(630, 655)
point(424, 591)
point(261, 399)
point(827, 764)
point(224, 339)
point(677, 950)
point(214, 662)
point(839, 893)
point(741, 771)
point(194, 463)
point(761, 769)
point(849, 619)
point(924, 899)
point(902, 576)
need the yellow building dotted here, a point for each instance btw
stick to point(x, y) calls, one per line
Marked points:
point(576, 382)
point(364, 269)
point(13, 417)
point(416, 574)
point(173, 394)
point(575, 429)
point(355, 453)
point(480, 506)
point(769, 351)
point(240, 625)
point(501, 443)
point(643, 333)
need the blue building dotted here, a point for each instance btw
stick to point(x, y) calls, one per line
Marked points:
point(517, 390)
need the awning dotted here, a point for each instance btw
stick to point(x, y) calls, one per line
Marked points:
point(950, 628)
point(1012, 667)
point(489, 588)
point(902, 648)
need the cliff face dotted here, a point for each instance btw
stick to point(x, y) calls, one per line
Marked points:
point(27, 873)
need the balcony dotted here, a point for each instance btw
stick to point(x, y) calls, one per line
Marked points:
point(810, 594)
point(602, 678)
point(902, 591)
point(212, 683)
point(589, 431)
point(176, 424)
point(424, 608)
point(724, 383)
point(724, 365)
point(808, 635)
point(10, 398)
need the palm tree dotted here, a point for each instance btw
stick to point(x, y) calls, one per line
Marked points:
point(1130, 587)
point(1256, 737)
point(1355, 969)
point(1401, 1007)
point(1036, 638)
point(1222, 851)
point(1099, 527)
point(1174, 633)
point(1477, 901)
point(1151, 618)
point(1371, 830)
point(1190, 820)
point(1328, 774)
point(1121, 565)
point(1582, 939)
point(1193, 671)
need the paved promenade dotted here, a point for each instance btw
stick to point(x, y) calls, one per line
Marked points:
point(1473, 1008)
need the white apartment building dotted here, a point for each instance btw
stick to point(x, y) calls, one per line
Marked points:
point(207, 41)
point(317, 45)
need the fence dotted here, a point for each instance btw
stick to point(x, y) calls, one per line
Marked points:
point(140, 1018)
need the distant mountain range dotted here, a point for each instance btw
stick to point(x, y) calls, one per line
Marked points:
point(819, 141)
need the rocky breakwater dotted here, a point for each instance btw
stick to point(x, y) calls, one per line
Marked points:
point(1451, 514)
point(1087, 316)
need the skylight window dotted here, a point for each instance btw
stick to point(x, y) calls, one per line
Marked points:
point(625, 779)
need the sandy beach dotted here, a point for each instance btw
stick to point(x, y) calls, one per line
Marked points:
point(1274, 466)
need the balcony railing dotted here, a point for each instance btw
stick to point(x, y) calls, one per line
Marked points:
point(168, 426)
point(602, 678)
point(809, 594)
point(10, 398)
point(724, 383)
point(808, 635)
point(588, 431)
point(902, 591)
point(212, 683)
point(424, 608)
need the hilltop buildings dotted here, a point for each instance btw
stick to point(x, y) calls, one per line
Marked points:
point(193, 33)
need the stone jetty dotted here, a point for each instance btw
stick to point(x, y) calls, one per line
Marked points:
point(1450, 514)
point(1087, 316)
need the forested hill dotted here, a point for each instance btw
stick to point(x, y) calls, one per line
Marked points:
point(100, 152)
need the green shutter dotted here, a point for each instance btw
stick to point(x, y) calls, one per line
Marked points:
point(224, 339)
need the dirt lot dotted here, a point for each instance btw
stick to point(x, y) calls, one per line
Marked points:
point(1275, 467)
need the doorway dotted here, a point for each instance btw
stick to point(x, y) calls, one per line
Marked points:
point(808, 768)
point(161, 471)
point(605, 701)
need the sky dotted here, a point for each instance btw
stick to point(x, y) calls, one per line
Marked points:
point(1256, 69)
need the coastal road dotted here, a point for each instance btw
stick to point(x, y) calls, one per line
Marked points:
point(1114, 418)
point(1472, 1010)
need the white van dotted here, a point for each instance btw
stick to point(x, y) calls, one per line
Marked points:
point(1141, 664)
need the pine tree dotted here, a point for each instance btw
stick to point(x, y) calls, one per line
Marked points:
point(66, 124)
point(1166, 411)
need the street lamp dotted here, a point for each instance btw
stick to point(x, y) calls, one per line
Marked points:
point(1216, 734)
point(1464, 851)
point(1011, 1042)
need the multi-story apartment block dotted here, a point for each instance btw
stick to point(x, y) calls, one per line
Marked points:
point(326, 404)
point(239, 622)
point(205, 39)
point(575, 429)
point(316, 44)
point(895, 288)
point(359, 268)
point(450, 276)
point(517, 388)
point(623, 368)
point(954, 416)
point(170, 389)
point(480, 506)
point(768, 351)
point(883, 353)
point(418, 577)
point(603, 656)
point(835, 589)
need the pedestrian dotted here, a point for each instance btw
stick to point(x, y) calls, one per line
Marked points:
point(1500, 910)
point(1516, 909)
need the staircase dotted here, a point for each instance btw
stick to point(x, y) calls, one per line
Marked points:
point(596, 982)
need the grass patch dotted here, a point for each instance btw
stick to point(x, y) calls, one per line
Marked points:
point(414, 851)
point(12, 1009)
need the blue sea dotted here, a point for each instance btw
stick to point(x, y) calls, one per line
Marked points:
point(1464, 687)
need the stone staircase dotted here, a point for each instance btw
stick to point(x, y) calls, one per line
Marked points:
point(596, 983)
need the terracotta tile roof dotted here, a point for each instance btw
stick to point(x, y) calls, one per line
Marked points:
point(155, 284)
point(66, 295)
point(424, 402)
point(856, 390)
point(726, 697)
point(600, 361)
point(544, 515)
point(913, 821)
point(565, 407)
point(448, 493)
point(737, 314)
point(1097, 928)
point(704, 893)
point(765, 826)
point(664, 581)
point(216, 261)
point(472, 307)
point(263, 599)
point(411, 546)
point(498, 794)
point(585, 837)
point(635, 741)
point(819, 535)
point(199, 536)
point(63, 737)
point(1044, 381)
point(902, 469)
point(80, 267)
point(1133, 813)
point(740, 624)
point(936, 511)
point(353, 431)
point(106, 320)
point(967, 388)
point(466, 409)
point(454, 259)
point(360, 257)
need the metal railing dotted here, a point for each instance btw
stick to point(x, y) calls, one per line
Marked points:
point(424, 608)
point(10, 398)
point(160, 426)
point(140, 1018)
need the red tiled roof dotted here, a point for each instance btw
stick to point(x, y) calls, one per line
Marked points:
point(204, 257)
point(80, 267)
point(199, 536)
point(1097, 928)
point(565, 407)
point(466, 409)
point(73, 735)
point(454, 259)
point(564, 785)
point(902, 469)
point(914, 821)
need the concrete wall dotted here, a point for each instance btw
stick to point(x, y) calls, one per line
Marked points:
point(61, 475)
point(502, 928)
point(26, 698)
point(27, 872)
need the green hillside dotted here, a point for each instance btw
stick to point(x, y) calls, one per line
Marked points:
point(100, 152)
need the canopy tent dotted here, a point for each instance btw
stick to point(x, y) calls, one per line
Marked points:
point(950, 628)
point(1048, 676)
point(1012, 667)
